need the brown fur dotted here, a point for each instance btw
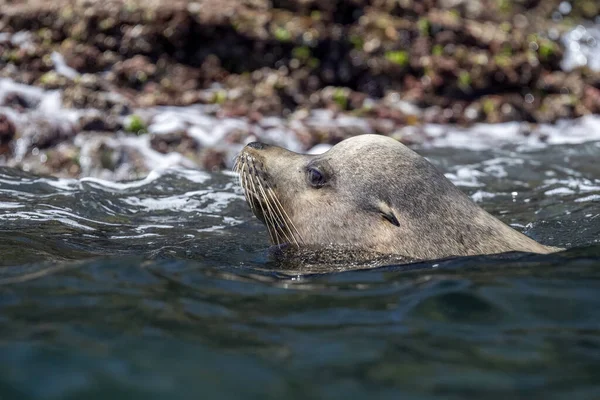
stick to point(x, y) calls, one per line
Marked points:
point(378, 195)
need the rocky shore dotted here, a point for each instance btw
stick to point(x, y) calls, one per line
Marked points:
point(375, 65)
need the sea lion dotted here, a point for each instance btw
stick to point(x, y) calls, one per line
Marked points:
point(370, 192)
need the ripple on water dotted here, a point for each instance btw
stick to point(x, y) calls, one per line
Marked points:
point(472, 328)
point(157, 212)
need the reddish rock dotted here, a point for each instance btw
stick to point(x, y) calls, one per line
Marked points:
point(177, 141)
point(7, 134)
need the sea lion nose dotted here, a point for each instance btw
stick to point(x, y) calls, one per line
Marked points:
point(258, 145)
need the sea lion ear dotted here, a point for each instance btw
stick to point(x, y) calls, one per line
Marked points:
point(387, 212)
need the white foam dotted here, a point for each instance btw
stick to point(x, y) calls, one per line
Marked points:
point(319, 149)
point(52, 103)
point(166, 126)
point(61, 216)
point(24, 40)
point(61, 66)
point(200, 201)
point(213, 228)
point(31, 94)
point(142, 228)
point(228, 222)
point(192, 175)
point(61, 183)
point(572, 185)
point(220, 200)
point(559, 191)
point(593, 197)
point(465, 176)
point(480, 195)
point(9, 205)
point(582, 48)
point(110, 185)
point(181, 203)
point(143, 235)
point(488, 136)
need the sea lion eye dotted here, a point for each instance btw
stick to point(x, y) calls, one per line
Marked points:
point(315, 177)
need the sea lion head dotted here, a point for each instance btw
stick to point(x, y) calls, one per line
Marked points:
point(369, 192)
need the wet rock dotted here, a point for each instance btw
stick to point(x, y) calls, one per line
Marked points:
point(591, 100)
point(16, 101)
point(47, 133)
point(96, 123)
point(213, 159)
point(555, 106)
point(63, 160)
point(52, 80)
point(382, 126)
point(180, 142)
point(561, 82)
point(78, 95)
point(7, 134)
point(134, 72)
point(83, 58)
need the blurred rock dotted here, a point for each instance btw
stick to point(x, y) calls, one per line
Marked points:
point(7, 134)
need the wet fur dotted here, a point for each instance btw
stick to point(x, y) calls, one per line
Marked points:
point(379, 195)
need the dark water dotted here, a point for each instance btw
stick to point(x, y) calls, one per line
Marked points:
point(163, 289)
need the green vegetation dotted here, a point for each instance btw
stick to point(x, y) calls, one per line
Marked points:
point(423, 25)
point(282, 34)
point(464, 80)
point(141, 76)
point(301, 53)
point(505, 26)
point(135, 124)
point(107, 23)
point(488, 106)
point(11, 56)
point(50, 78)
point(340, 96)
point(502, 60)
point(219, 97)
point(547, 48)
point(505, 5)
point(314, 62)
point(399, 57)
point(357, 41)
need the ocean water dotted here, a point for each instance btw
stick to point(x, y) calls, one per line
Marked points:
point(164, 288)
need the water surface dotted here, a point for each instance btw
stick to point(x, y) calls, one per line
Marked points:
point(163, 288)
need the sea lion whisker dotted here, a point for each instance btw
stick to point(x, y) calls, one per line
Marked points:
point(284, 225)
point(284, 215)
point(247, 189)
point(242, 180)
point(268, 205)
point(250, 189)
point(296, 232)
point(279, 224)
point(243, 183)
point(269, 223)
